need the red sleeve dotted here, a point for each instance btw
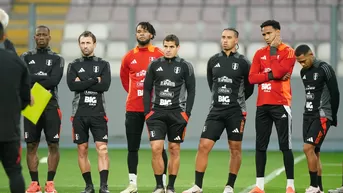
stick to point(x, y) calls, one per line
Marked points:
point(125, 72)
point(281, 68)
point(159, 51)
point(255, 76)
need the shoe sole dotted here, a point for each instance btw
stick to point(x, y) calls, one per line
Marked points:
point(31, 192)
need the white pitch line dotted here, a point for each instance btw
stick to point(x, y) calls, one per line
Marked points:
point(274, 174)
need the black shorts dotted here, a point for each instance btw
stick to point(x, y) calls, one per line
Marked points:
point(266, 115)
point(315, 130)
point(172, 124)
point(96, 124)
point(10, 156)
point(216, 122)
point(50, 122)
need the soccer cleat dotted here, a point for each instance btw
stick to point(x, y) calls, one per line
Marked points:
point(170, 190)
point(34, 188)
point(194, 189)
point(159, 189)
point(338, 190)
point(290, 190)
point(89, 189)
point(312, 189)
point(132, 188)
point(104, 189)
point(228, 189)
point(50, 187)
point(256, 190)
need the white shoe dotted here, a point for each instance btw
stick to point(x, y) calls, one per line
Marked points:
point(159, 190)
point(228, 189)
point(312, 189)
point(170, 191)
point(338, 190)
point(194, 189)
point(132, 188)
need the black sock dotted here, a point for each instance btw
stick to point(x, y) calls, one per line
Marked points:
point(132, 162)
point(165, 160)
point(288, 161)
point(313, 177)
point(34, 176)
point(51, 175)
point(199, 176)
point(260, 161)
point(171, 181)
point(103, 177)
point(88, 178)
point(159, 180)
point(231, 180)
point(320, 184)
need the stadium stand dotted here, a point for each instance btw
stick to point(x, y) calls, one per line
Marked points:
point(198, 23)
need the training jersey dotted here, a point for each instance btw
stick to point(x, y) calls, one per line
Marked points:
point(169, 85)
point(227, 77)
point(276, 91)
point(321, 90)
point(132, 73)
point(89, 99)
point(46, 68)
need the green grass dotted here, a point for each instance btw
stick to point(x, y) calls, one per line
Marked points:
point(69, 180)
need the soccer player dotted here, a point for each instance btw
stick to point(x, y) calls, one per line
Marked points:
point(320, 110)
point(15, 82)
point(46, 68)
point(271, 69)
point(227, 77)
point(168, 108)
point(6, 44)
point(132, 75)
point(89, 77)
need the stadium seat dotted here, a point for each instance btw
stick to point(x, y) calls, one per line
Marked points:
point(125, 2)
point(252, 48)
point(200, 67)
point(146, 13)
point(341, 54)
point(212, 32)
point(283, 3)
point(305, 14)
point(73, 30)
point(120, 13)
point(323, 51)
point(260, 14)
point(241, 49)
point(255, 32)
point(238, 2)
point(208, 49)
point(116, 50)
point(100, 30)
point(261, 2)
point(283, 14)
point(80, 2)
point(185, 34)
point(305, 32)
point(147, 2)
point(77, 14)
point(323, 33)
point(102, 2)
point(188, 50)
point(241, 14)
point(100, 49)
point(213, 15)
point(328, 2)
point(100, 13)
point(339, 71)
point(167, 14)
point(164, 29)
point(115, 67)
point(324, 13)
point(189, 14)
point(120, 31)
point(170, 2)
point(214, 2)
point(70, 49)
point(192, 2)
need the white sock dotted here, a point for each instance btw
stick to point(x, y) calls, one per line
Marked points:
point(260, 183)
point(164, 180)
point(133, 179)
point(290, 183)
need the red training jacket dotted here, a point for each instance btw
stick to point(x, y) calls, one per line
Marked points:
point(132, 74)
point(273, 92)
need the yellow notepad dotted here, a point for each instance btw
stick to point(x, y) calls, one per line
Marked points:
point(41, 98)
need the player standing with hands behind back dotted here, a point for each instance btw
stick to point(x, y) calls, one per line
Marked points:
point(89, 77)
point(173, 84)
point(132, 75)
point(271, 69)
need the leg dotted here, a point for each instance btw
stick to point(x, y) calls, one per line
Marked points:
point(174, 163)
point(312, 163)
point(263, 126)
point(99, 130)
point(134, 124)
point(157, 161)
point(11, 160)
point(283, 122)
point(319, 169)
point(32, 134)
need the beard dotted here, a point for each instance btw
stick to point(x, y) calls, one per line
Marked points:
point(143, 43)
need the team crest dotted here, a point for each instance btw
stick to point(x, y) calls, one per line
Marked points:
point(177, 70)
point(96, 69)
point(48, 62)
point(315, 76)
point(151, 58)
point(235, 66)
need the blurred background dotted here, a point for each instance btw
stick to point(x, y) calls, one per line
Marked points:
point(198, 24)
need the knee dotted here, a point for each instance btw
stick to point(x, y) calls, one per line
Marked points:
point(235, 152)
point(174, 150)
point(204, 147)
point(53, 147)
point(102, 150)
point(156, 150)
point(308, 148)
point(32, 147)
point(82, 150)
